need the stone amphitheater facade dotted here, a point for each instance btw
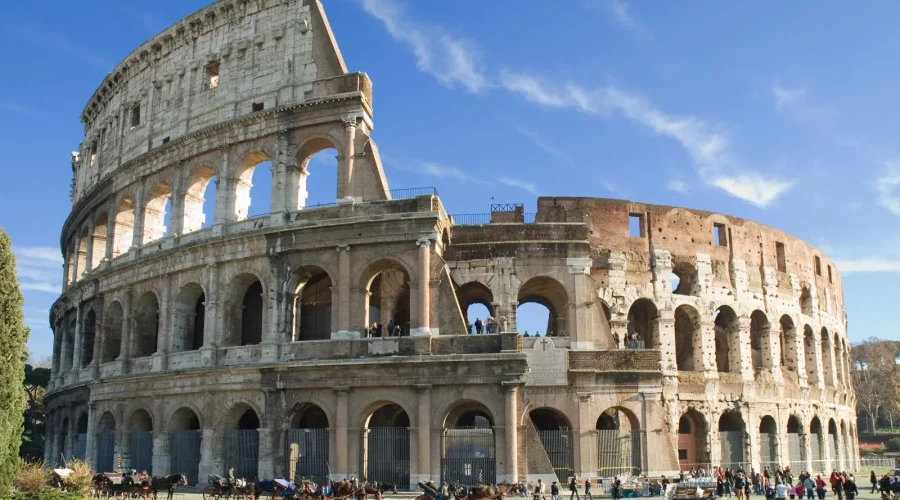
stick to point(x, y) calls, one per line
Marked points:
point(242, 341)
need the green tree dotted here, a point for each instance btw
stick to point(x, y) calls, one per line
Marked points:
point(13, 335)
point(36, 381)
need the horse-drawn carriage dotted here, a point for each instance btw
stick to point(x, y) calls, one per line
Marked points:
point(121, 484)
point(222, 488)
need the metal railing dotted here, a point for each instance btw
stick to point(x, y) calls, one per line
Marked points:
point(406, 193)
point(530, 218)
point(634, 344)
point(505, 207)
point(471, 219)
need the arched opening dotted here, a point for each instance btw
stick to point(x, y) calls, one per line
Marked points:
point(106, 443)
point(692, 430)
point(728, 340)
point(184, 457)
point(685, 281)
point(832, 442)
point(156, 212)
point(199, 200)
point(760, 342)
point(477, 301)
point(796, 449)
point(555, 433)
point(146, 326)
point(141, 426)
point(316, 181)
point(468, 452)
point(809, 355)
point(768, 443)
point(827, 359)
point(386, 438)
point(312, 306)
point(69, 345)
point(242, 443)
point(806, 305)
point(788, 343)
point(389, 303)
point(123, 235)
point(63, 438)
point(817, 444)
point(82, 261)
point(847, 448)
point(250, 186)
point(550, 317)
point(244, 311)
point(619, 444)
point(81, 429)
point(88, 335)
point(688, 339)
point(643, 325)
point(112, 333)
point(98, 246)
point(307, 444)
point(188, 318)
point(731, 440)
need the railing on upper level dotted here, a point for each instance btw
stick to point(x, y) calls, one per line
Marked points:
point(471, 219)
point(406, 193)
point(506, 207)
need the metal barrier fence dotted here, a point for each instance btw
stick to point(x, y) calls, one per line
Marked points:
point(406, 193)
point(471, 219)
point(796, 453)
point(868, 463)
point(768, 449)
point(387, 456)
point(306, 451)
point(558, 445)
point(815, 447)
point(468, 457)
point(242, 453)
point(106, 451)
point(618, 453)
point(142, 451)
point(731, 444)
point(185, 454)
point(80, 447)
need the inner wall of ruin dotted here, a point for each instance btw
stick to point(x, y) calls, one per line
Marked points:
point(179, 340)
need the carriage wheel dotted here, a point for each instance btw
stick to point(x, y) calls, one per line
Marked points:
point(210, 493)
point(120, 495)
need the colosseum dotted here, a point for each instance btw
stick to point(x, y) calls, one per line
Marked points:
point(676, 338)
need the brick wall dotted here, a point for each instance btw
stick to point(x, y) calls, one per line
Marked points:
point(615, 360)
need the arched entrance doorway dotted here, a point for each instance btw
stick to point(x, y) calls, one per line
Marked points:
point(185, 445)
point(312, 305)
point(550, 314)
point(692, 430)
point(63, 437)
point(141, 440)
point(388, 303)
point(106, 443)
point(386, 441)
point(81, 428)
point(307, 445)
point(796, 450)
point(468, 455)
point(816, 446)
point(619, 444)
point(728, 340)
point(643, 325)
point(555, 433)
point(731, 440)
point(768, 443)
point(836, 463)
point(242, 443)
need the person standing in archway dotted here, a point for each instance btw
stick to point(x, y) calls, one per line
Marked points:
point(479, 326)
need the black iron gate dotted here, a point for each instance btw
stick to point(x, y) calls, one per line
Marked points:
point(142, 451)
point(387, 456)
point(306, 451)
point(619, 453)
point(80, 451)
point(106, 451)
point(558, 445)
point(468, 457)
point(242, 453)
point(185, 454)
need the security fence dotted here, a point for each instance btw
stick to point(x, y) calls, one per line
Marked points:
point(142, 451)
point(106, 451)
point(731, 444)
point(619, 453)
point(80, 446)
point(468, 457)
point(306, 451)
point(185, 454)
point(558, 445)
point(242, 453)
point(387, 456)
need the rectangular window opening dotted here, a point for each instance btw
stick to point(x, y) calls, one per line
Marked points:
point(779, 255)
point(258, 106)
point(818, 264)
point(93, 156)
point(636, 225)
point(212, 74)
point(165, 140)
point(830, 279)
point(682, 455)
point(720, 236)
point(135, 115)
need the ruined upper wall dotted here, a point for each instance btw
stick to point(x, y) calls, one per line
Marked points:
point(685, 233)
point(262, 53)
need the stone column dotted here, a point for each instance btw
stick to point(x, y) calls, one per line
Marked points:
point(806, 448)
point(176, 217)
point(99, 338)
point(266, 466)
point(341, 430)
point(581, 306)
point(161, 453)
point(89, 257)
point(164, 328)
point(424, 288)
point(511, 431)
point(744, 354)
point(57, 354)
point(70, 435)
point(668, 360)
point(225, 193)
point(125, 349)
point(708, 349)
point(76, 354)
point(110, 231)
point(90, 448)
point(208, 463)
point(345, 171)
point(138, 237)
point(343, 302)
point(423, 435)
point(49, 433)
point(211, 321)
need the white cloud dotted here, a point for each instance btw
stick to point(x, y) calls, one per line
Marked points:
point(544, 145)
point(707, 146)
point(885, 186)
point(677, 185)
point(785, 97)
point(619, 10)
point(39, 268)
point(873, 265)
point(516, 183)
point(452, 61)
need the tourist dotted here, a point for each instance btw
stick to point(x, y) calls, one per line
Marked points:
point(526, 335)
point(837, 484)
point(781, 490)
point(820, 487)
point(573, 486)
point(616, 488)
point(850, 489)
point(874, 480)
point(390, 328)
point(587, 489)
point(539, 489)
point(470, 327)
point(616, 339)
point(885, 485)
point(739, 486)
point(554, 491)
point(479, 326)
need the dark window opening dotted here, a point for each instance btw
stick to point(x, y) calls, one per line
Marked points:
point(682, 455)
point(212, 74)
point(636, 225)
point(165, 140)
point(720, 237)
point(258, 106)
point(830, 279)
point(93, 155)
point(818, 264)
point(779, 256)
point(135, 115)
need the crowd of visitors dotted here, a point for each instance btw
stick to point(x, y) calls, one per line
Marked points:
point(778, 485)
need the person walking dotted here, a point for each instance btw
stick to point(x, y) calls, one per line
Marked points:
point(554, 491)
point(739, 486)
point(573, 487)
point(539, 489)
point(587, 489)
point(820, 487)
point(781, 490)
point(616, 488)
point(850, 489)
point(874, 480)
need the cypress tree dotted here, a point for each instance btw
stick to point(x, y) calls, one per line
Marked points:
point(13, 335)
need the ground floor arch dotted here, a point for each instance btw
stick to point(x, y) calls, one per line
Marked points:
point(184, 451)
point(768, 443)
point(796, 448)
point(140, 425)
point(105, 443)
point(731, 440)
point(555, 433)
point(692, 432)
point(307, 442)
point(241, 442)
point(832, 445)
point(81, 430)
point(619, 443)
point(468, 450)
point(386, 443)
point(816, 444)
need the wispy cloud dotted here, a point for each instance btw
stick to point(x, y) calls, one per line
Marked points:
point(886, 186)
point(39, 269)
point(708, 147)
point(452, 61)
point(18, 109)
point(794, 103)
point(677, 185)
point(442, 171)
point(620, 12)
point(518, 183)
point(59, 43)
point(873, 265)
point(545, 145)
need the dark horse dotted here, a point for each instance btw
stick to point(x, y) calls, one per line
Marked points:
point(167, 483)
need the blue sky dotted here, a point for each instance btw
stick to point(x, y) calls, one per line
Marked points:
point(777, 112)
